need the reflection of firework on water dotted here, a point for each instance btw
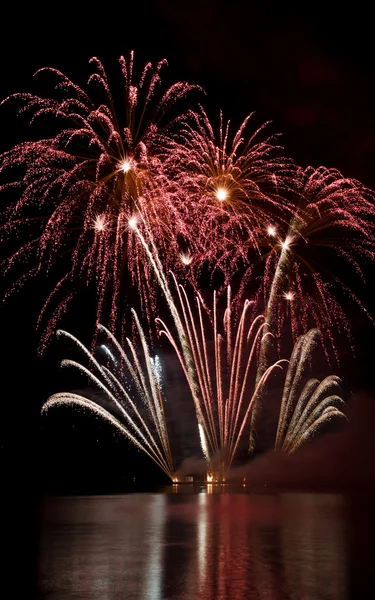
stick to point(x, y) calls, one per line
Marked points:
point(224, 373)
point(86, 180)
point(304, 412)
point(131, 384)
point(236, 178)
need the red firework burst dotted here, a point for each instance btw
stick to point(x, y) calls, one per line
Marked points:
point(90, 179)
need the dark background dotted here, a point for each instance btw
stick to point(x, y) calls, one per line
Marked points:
point(309, 70)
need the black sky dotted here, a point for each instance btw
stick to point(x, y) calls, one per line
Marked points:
point(309, 70)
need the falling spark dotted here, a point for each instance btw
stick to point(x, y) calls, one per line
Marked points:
point(108, 352)
point(157, 369)
point(203, 440)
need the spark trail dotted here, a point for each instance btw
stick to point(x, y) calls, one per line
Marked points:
point(332, 228)
point(132, 387)
point(304, 412)
point(238, 178)
point(224, 374)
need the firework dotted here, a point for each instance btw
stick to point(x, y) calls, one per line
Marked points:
point(302, 413)
point(225, 390)
point(332, 227)
point(87, 182)
point(131, 197)
point(237, 178)
point(131, 384)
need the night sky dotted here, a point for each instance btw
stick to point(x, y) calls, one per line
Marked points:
point(308, 71)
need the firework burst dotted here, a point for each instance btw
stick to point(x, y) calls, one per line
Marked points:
point(304, 412)
point(238, 178)
point(332, 227)
point(224, 356)
point(89, 180)
point(130, 384)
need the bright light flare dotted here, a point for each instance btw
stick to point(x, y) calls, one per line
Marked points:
point(221, 194)
point(271, 230)
point(289, 296)
point(286, 243)
point(100, 223)
point(186, 258)
point(126, 166)
point(133, 222)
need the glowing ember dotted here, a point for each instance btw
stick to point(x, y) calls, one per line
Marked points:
point(271, 230)
point(133, 222)
point(126, 166)
point(100, 223)
point(286, 243)
point(221, 194)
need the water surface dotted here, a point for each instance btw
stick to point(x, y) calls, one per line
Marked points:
point(200, 544)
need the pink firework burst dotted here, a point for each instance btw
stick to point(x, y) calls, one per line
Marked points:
point(238, 178)
point(89, 180)
point(306, 270)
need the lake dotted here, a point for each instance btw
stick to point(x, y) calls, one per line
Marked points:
point(200, 543)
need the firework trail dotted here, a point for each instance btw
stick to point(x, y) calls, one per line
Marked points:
point(333, 225)
point(125, 383)
point(129, 196)
point(152, 254)
point(237, 178)
point(303, 413)
point(224, 374)
point(83, 183)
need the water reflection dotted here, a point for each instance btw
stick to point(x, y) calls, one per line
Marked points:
point(194, 546)
point(313, 545)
